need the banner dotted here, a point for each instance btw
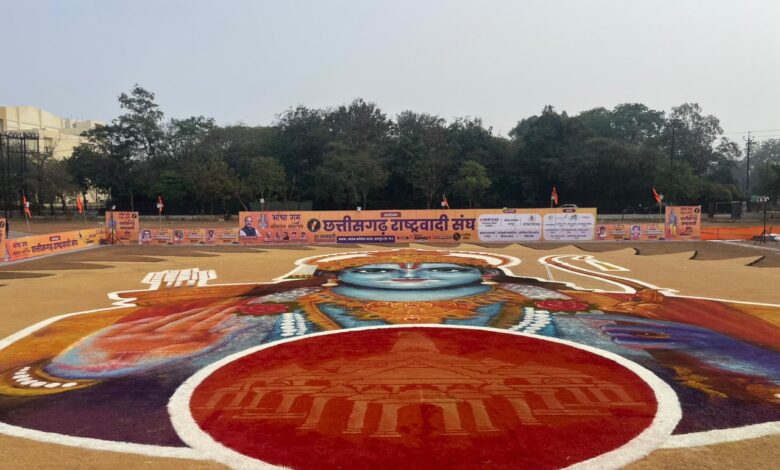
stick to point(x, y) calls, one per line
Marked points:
point(630, 232)
point(124, 225)
point(3, 228)
point(683, 222)
point(190, 236)
point(40, 245)
point(405, 226)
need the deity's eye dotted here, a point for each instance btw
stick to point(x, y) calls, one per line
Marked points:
point(448, 270)
point(372, 270)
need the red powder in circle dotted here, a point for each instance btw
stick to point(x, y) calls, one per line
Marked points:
point(423, 398)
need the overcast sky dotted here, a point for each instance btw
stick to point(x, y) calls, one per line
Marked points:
point(246, 61)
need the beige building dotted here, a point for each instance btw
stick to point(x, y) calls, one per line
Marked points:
point(55, 133)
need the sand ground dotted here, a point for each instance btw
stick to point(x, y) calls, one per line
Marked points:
point(36, 290)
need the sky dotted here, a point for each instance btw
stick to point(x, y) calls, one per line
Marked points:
point(247, 61)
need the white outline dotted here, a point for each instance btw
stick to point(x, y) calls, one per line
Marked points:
point(100, 444)
point(667, 415)
point(676, 441)
point(613, 279)
point(718, 436)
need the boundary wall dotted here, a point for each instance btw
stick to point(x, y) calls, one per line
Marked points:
point(415, 226)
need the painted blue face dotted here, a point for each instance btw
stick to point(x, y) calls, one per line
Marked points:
point(410, 277)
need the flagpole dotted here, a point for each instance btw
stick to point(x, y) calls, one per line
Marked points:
point(159, 211)
point(84, 207)
point(26, 208)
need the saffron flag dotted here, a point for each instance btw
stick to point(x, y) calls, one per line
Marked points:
point(160, 204)
point(79, 203)
point(554, 196)
point(657, 196)
point(26, 205)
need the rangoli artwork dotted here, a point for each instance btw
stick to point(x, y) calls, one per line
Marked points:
point(398, 358)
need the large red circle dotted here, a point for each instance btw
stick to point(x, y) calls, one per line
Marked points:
point(423, 398)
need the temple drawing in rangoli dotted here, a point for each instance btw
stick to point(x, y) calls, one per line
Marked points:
point(415, 372)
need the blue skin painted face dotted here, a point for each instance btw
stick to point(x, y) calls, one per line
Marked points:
point(410, 277)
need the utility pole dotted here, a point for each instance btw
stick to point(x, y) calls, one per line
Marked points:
point(671, 164)
point(671, 151)
point(749, 142)
point(6, 178)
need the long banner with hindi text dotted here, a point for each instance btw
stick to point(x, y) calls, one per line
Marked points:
point(40, 245)
point(417, 226)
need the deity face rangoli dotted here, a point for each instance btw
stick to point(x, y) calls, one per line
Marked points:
point(409, 276)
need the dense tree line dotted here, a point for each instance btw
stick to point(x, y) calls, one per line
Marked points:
point(355, 155)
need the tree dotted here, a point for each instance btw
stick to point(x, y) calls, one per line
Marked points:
point(763, 156)
point(301, 140)
point(348, 175)
point(140, 127)
point(213, 180)
point(610, 175)
point(694, 136)
point(266, 178)
point(546, 146)
point(472, 182)
point(102, 163)
point(359, 125)
point(172, 185)
point(635, 124)
point(421, 153)
point(183, 136)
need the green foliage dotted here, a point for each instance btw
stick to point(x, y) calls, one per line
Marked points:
point(421, 155)
point(354, 154)
point(348, 175)
point(172, 184)
point(472, 182)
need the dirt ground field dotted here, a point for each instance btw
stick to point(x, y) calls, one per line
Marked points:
point(37, 290)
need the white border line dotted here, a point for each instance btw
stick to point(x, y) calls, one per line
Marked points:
point(667, 415)
point(718, 436)
point(100, 444)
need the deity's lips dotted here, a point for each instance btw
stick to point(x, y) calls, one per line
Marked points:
point(410, 279)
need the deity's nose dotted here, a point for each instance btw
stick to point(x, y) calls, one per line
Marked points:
point(409, 273)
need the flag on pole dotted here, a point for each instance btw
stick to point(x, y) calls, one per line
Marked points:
point(444, 202)
point(160, 204)
point(657, 196)
point(554, 196)
point(26, 205)
point(79, 203)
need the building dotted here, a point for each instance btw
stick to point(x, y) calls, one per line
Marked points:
point(56, 134)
